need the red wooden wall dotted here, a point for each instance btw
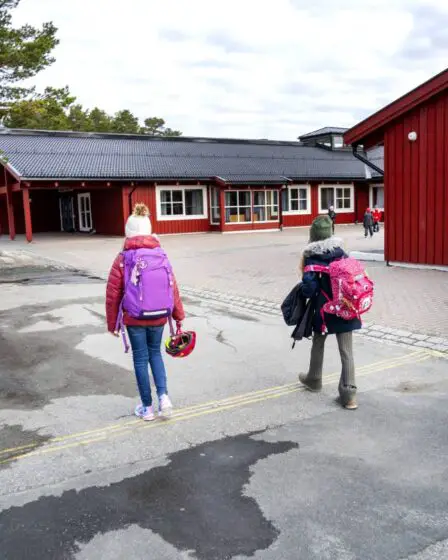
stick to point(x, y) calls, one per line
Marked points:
point(107, 211)
point(361, 201)
point(3, 216)
point(306, 219)
point(416, 186)
point(147, 194)
point(45, 214)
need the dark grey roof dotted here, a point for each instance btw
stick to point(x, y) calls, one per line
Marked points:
point(39, 154)
point(326, 131)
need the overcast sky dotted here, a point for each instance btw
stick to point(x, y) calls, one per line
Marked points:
point(243, 68)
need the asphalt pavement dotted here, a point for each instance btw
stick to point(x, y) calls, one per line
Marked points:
point(249, 466)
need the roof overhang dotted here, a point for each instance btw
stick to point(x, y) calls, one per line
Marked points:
point(250, 180)
point(370, 132)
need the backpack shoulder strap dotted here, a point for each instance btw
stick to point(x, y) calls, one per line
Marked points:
point(317, 268)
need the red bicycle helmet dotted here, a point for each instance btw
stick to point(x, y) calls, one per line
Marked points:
point(181, 344)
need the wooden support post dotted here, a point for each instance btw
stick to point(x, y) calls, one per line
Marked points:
point(222, 209)
point(27, 212)
point(10, 210)
point(280, 209)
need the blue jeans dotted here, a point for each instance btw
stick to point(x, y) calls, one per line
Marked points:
point(145, 343)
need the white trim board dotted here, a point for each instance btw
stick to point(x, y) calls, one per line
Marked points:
point(181, 217)
point(323, 211)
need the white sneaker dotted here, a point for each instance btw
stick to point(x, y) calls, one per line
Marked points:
point(165, 406)
point(144, 412)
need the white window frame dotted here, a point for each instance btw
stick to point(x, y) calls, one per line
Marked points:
point(371, 195)
point(308, 200)
point(181, 217)
point(214, 206)
point(338, 210)
point(266, 206)
point(238, 206)
point(85, 196)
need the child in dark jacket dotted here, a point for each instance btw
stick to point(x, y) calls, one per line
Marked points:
point(322, 250)
point(368, 223)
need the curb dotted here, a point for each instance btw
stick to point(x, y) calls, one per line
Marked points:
point(367, 257)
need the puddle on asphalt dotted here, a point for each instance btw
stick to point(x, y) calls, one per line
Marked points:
point(196, 503)
point(41, 366)
point(18, 440)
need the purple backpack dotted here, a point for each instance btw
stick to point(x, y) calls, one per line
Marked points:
point(148, 286)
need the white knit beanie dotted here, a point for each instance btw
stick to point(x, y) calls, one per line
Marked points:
point(139, 223)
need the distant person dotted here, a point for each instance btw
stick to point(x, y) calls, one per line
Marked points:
point(368, 223)
point(332, 215)
point(322, 250)
point(145, 335)
point(376, 219)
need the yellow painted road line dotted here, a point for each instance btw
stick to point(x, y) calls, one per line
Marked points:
point(113, 427)
point(367, 370)
point(379, 366)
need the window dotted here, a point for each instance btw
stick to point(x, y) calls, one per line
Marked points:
point(296, 200)
point(238, 206)
point(342, 198)
point(214, 206)
point(177, 203)
point(338, 142)
point(377, 196)
point(265, 206)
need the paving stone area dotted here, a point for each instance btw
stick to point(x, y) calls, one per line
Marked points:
point(370, 330)
point(264, 267)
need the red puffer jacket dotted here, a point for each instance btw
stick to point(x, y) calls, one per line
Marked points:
point(115, 289)
point(376, 213)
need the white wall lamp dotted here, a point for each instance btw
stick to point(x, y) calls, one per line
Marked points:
point(412, 136)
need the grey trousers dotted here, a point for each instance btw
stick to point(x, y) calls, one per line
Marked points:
point(347, 383)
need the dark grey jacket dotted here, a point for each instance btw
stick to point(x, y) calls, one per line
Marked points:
point(368, 219)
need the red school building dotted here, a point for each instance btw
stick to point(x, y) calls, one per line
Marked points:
point(88, 182)
point(413, 132)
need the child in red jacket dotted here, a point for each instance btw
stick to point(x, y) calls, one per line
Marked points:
point(376, 213)
point(145, 336)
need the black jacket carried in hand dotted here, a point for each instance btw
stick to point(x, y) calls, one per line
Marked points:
point(293, 307)
point(298, 313)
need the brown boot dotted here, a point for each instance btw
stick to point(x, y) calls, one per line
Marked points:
point(314, 385)
point(351, 404)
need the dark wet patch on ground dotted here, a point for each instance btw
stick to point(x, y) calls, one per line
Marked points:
point(410, 387)
point(40, 366)
point(14, 440)
point(195, 503)
point(45, 275)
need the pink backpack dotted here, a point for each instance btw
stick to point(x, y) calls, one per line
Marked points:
point(351, 287)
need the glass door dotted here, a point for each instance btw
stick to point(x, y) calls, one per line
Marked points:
point(85, 212)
